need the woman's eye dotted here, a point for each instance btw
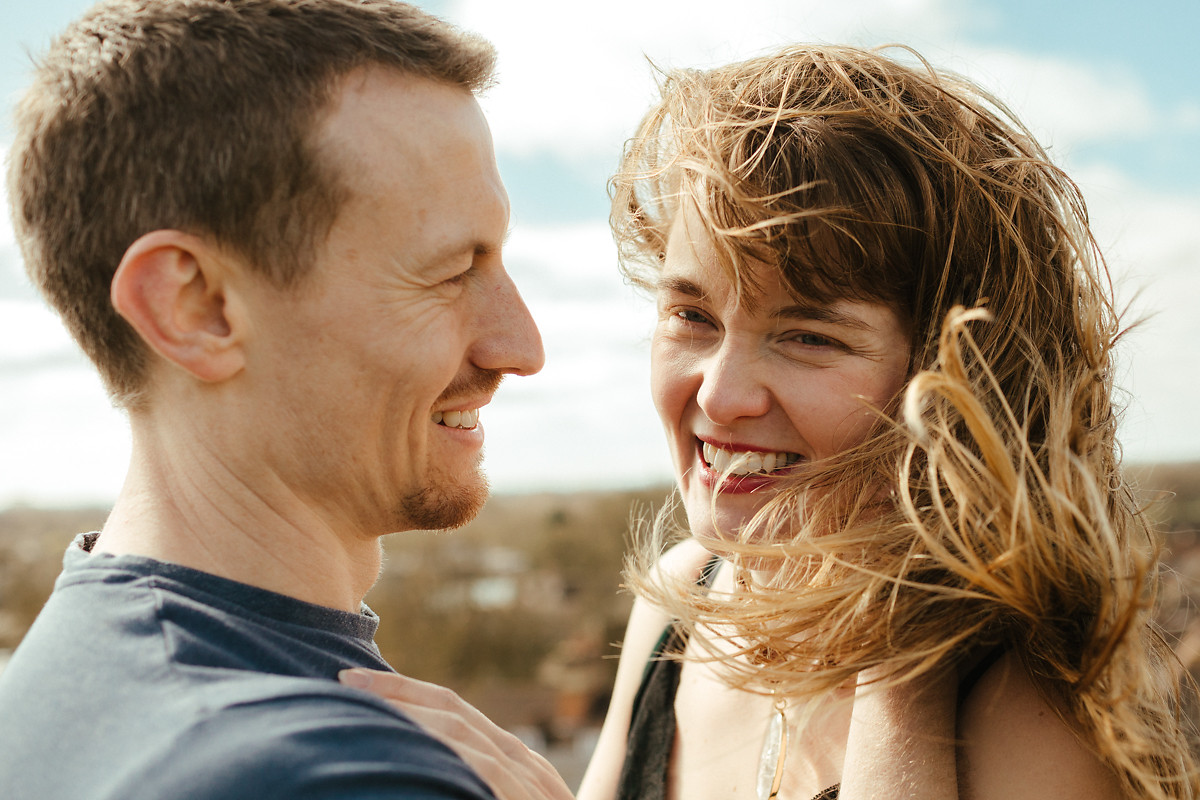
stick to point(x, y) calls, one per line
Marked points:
point(687, 317)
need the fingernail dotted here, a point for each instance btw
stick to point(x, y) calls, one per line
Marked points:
point(356, 678)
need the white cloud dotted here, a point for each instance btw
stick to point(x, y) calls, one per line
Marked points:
point(574, 77)
point(30, 331)
point(1152, 244)
point(575, 80)
point(7, 238)
point(63, 444)
point(1064, 102)
point(586, 420)
point(13, 282)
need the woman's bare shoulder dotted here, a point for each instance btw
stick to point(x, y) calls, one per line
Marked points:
point(1015, 743)
point(685, 560)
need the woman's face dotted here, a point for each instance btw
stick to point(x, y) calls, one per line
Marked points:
point(766, 385)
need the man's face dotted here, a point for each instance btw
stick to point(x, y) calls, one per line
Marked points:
point(380, 362)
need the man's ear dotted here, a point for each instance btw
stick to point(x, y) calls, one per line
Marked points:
point(170, 286)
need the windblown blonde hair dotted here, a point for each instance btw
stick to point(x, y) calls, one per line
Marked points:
point(988, 507)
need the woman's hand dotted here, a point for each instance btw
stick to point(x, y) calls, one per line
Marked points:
point(512, 770)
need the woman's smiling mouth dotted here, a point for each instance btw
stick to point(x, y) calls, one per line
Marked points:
point(743, 462)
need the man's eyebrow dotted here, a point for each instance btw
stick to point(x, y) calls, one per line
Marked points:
point(488, 248)
point(485, 248)
point(469, 247)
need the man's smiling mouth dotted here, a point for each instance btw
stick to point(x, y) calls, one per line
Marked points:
point(736, 462)
point(457, 419)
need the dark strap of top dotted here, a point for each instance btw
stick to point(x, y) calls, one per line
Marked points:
point(652, 724)
point(966, 684)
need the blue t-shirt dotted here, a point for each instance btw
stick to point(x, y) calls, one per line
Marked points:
point(142, 680)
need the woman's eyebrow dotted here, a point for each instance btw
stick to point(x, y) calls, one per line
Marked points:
point(683, 286)
point(810, 312)
point(822, 313)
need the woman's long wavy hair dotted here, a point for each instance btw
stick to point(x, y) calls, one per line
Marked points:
point(988, 507)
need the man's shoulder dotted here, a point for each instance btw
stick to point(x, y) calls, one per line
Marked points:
point(274, 736)
point(113, 697)
point(164, 729)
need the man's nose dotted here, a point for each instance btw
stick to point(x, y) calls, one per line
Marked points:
point(509, 341)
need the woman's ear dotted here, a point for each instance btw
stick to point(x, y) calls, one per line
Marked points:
point(170, 286)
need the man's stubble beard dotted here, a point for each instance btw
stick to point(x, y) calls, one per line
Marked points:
point(453, 502)
point(445, 504)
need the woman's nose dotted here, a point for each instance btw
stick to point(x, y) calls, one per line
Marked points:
point(731, 387)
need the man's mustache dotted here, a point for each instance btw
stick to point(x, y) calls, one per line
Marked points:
point(476, 383)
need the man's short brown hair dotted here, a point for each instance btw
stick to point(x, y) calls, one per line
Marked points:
point(196, 115)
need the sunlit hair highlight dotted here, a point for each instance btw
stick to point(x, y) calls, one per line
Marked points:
point(988, 507)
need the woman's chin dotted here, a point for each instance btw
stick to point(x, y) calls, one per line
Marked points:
point(720, 536)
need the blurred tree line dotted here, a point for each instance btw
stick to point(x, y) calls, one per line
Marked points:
point(32, 542)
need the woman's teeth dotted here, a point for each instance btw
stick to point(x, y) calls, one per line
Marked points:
point(457, 419)
point(744, 463)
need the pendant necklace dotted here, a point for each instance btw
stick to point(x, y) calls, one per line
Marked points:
point(774, 752)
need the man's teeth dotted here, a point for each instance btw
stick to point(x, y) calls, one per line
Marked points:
point(457, 419)
point(743, 463)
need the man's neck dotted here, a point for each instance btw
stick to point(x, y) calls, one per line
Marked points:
point(201, 515)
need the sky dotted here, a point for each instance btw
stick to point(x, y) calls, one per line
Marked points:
point(1109, 87)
